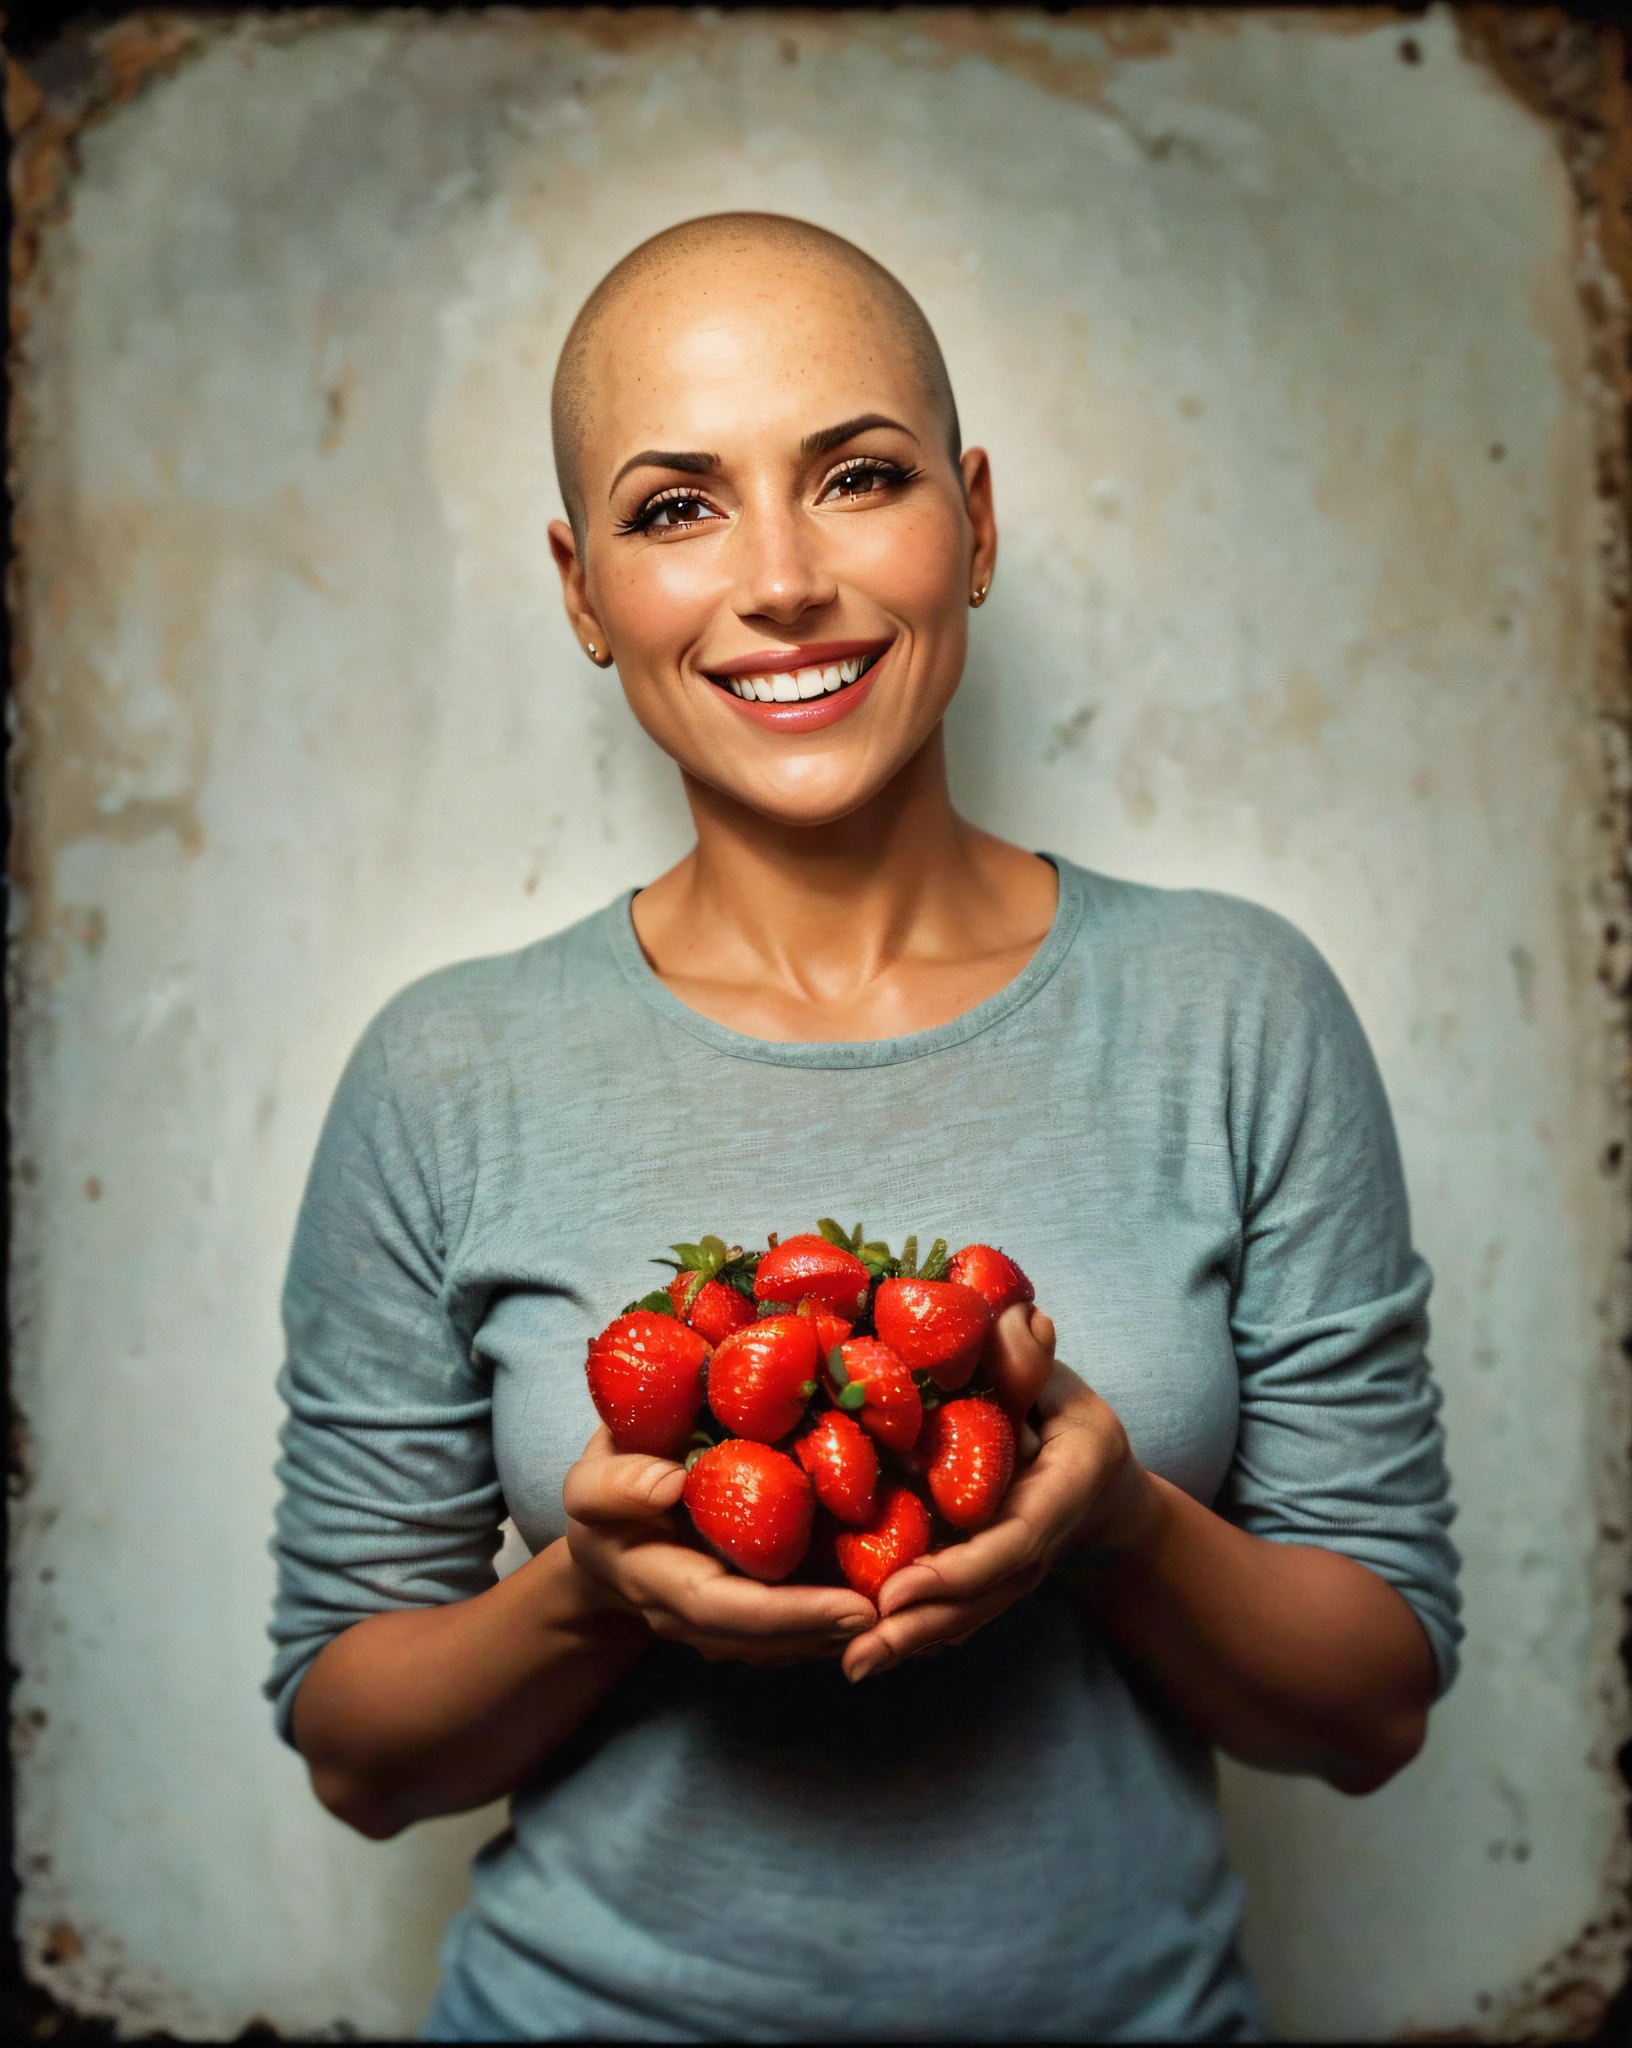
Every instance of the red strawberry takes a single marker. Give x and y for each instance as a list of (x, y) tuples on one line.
[(830, 1329), (935, 1326), (878, 1390), (760, 1378), (646, 1380), (897, 1534), (843, 1466), (810, 1265), (753, 1505), (992, 1274), (716, 1309), (967, 1455)]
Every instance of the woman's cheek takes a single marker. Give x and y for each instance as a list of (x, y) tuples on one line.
[(912, 568), (662, 605)]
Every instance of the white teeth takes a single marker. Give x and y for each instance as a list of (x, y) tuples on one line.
[(795, 686)]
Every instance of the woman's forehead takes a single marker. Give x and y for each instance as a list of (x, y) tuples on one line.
[(689, 360)]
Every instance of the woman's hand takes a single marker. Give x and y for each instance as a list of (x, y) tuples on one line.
[(622, 1535), (1078, 1482)]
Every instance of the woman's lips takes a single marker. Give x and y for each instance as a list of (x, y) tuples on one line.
[(788, 699)]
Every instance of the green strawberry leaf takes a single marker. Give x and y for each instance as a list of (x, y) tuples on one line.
[(714, 1252), (853, 1396), (694, 1287), (778, 1308), (656, 1303), (934, 1267), (834, 1233), (674, 1265), (743, 1282), (908, 1261), (856, 1237), (836, 1366), (689, 1255)]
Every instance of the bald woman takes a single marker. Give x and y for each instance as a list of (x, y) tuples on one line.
[(765, 1812)]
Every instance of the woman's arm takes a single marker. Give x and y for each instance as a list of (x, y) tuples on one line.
[(430, 1710), (433, 1710), (1288, 1657)]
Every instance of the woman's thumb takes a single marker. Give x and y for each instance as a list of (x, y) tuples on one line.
[(1021, 1357)]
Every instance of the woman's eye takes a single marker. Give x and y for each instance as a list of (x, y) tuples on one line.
[(672, 514), (680, 512), (863, 479)]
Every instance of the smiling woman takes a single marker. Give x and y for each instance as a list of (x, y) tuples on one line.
[(1228, 1530)]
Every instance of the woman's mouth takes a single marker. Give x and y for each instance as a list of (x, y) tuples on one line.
[(798, 685), (801, 689)]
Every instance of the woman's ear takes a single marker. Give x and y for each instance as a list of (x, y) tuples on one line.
[(977, 497), (575, 596)]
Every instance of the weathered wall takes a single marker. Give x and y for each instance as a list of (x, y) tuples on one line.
[(1275, 331)]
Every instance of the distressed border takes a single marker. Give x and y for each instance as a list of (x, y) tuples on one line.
[(1571, 67), (1571, 70)]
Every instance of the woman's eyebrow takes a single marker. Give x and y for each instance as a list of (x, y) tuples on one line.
[(834, 437), (691, 464)]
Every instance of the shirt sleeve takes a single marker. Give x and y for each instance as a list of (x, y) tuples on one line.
[(390, 1495), (1339, 1443)]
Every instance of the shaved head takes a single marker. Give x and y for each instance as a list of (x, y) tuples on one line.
[(727, 238)]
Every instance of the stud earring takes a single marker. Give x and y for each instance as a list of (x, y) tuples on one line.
[(978, 597), (592, 650)]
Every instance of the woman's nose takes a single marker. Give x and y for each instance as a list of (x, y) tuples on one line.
[(782, 570)]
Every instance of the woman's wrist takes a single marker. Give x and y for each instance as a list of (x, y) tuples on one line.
[(575, 1602), (1126, 1518)]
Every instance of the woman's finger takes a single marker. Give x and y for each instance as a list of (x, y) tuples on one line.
[(1020, 1354), (707, 1599), (607, 1485), (1042, 1509), (935, 1624)]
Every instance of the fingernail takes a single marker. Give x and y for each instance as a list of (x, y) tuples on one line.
[(864, 1669), (853, 1625)]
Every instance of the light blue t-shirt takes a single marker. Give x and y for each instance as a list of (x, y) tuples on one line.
[(1172, 1119)]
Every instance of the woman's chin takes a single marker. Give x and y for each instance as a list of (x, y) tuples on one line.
[(807, 797)]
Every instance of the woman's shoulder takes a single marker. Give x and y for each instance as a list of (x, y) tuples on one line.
[(458, 1018), (1225, 939)]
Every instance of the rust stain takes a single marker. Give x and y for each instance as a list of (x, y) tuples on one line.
[(79, 79), (1572, 75)]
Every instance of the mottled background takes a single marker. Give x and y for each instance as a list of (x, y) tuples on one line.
[(1286, 334)]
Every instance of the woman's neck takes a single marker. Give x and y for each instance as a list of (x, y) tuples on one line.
[(893, 919)]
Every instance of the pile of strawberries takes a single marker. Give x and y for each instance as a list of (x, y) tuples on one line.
[(809, 1389)]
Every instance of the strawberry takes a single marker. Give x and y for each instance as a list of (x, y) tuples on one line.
[(870, 1381), (967, 1455), (751, 1504), (992, 1274), (760, 1378), (843, 1466), (810, 1265), (715, 1310), (830, 1329), (897, 1534), (935, 1326), (646, 1380)]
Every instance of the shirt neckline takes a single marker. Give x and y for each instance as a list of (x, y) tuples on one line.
[(865, 1052)]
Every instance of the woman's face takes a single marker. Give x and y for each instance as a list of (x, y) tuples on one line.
[(779, 548)]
